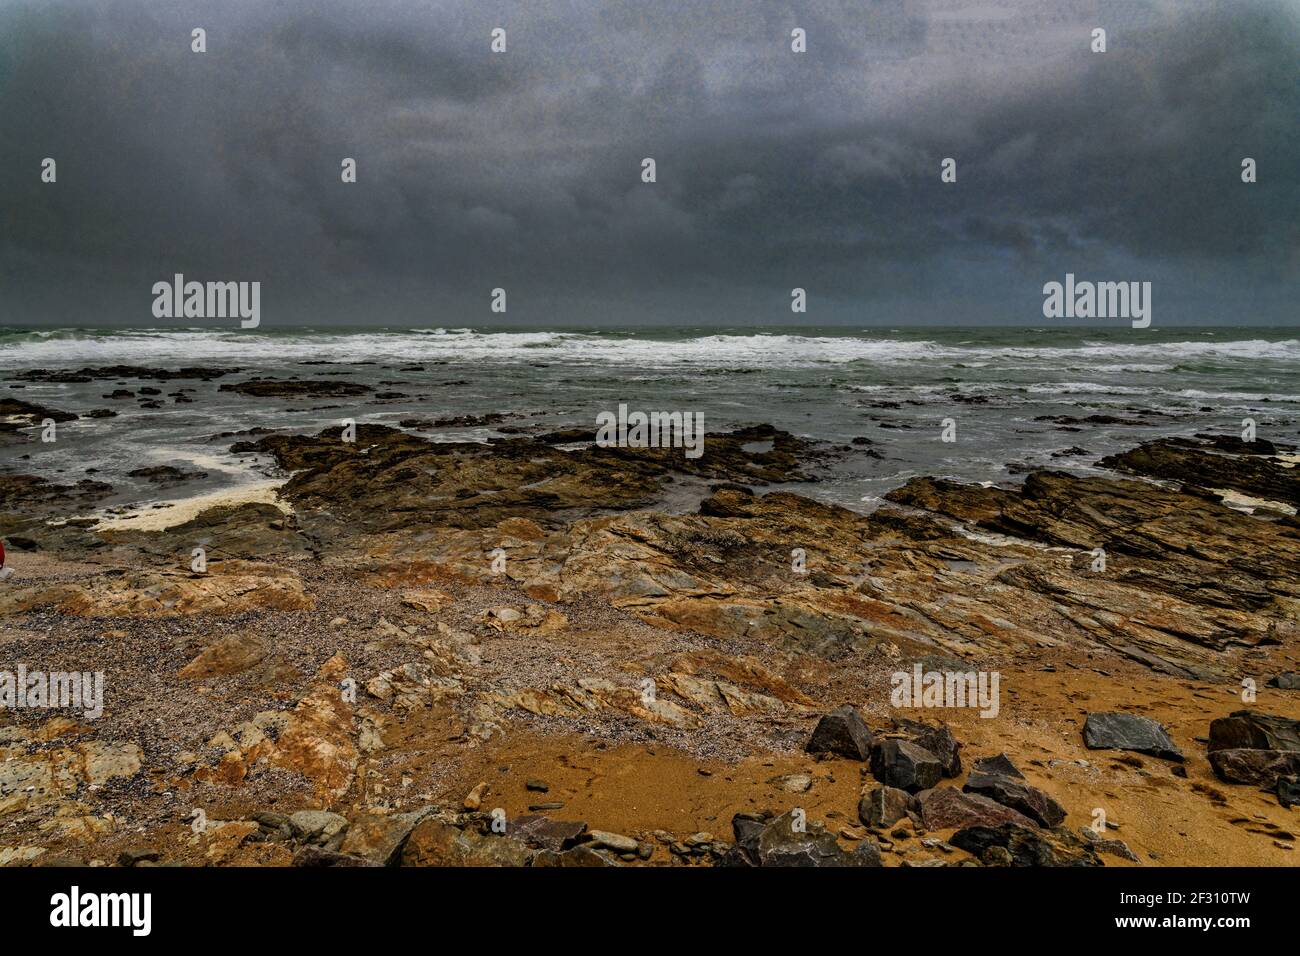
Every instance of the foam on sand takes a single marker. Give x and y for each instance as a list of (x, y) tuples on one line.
[(160, 515)]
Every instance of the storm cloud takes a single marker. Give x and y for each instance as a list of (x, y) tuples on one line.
[(775, 169)]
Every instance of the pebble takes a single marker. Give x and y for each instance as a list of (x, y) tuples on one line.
[(474, 799), (612, 841)]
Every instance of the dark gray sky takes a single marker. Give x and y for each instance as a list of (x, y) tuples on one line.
[(775, 169)]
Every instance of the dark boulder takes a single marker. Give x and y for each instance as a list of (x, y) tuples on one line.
[(885, 806), (1250, 730), (937, 739), (1015, 793), (270, 388), (944, 808), (1000, 764), (1129, 732), (1259, 767), (544, 833), (903, 764), (775, 841), (1288, 791), (842, 732), (1026, 846), (578, 856)]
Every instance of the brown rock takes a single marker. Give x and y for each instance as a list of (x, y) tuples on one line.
[(946, 807), (1251, 730), (229, 655), (1259, 767), (435, 843)]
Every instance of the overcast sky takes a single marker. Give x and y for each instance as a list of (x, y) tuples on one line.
[(522, 170)]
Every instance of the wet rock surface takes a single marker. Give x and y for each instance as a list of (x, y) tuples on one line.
[(413, 622), (292, 388)]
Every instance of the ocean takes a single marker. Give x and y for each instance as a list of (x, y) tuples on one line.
[(1014, 394)]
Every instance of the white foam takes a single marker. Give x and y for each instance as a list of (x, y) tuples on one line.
[(763, 350), (149, 516)]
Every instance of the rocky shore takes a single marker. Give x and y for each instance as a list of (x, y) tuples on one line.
[(535, 651)]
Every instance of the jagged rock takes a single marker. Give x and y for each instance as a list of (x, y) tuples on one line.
[(943, 808), (937, 739), (319, 827), (123, 371), (30, 779), (379, 839), (1288, 791), (1251, 730), (1191, 588), (775, 842), (534, 619), (885, 806), (317, 388), (34, 414), (222, 839), (315, 739), (28, 491), (1015, 793), (166, 474), (407, 479), (315, 856), (1027, 846), (1288, 680), (1188, 577), (318, 739), (595, 694), (1129, 732), (228, 588), (275, 825), (412, 686), (435, 843), (1103, 845), (1188, 462), (580, 856), (545, 833), (866, 853), (842, 732), (903, 764), (1259, 767), (232, 654), (1000, 764), (429, 601)]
